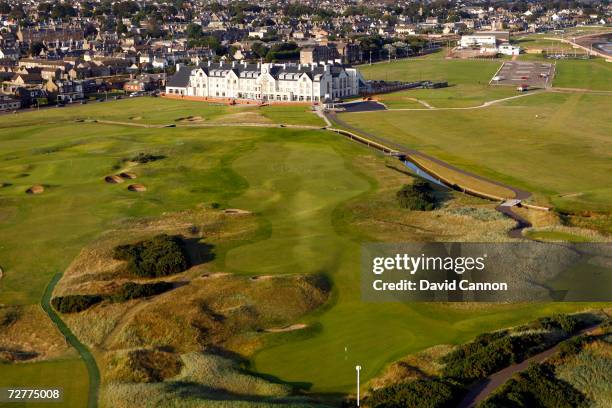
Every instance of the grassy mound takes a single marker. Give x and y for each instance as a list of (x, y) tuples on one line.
[(143, 365)]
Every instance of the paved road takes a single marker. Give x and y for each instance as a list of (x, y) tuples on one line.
[(487, 386), (362, 106)]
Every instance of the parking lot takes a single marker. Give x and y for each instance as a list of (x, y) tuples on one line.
[(532, 74)]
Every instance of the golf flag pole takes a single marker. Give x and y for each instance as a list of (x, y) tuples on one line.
[(358, 368)]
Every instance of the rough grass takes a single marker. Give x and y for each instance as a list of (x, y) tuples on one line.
[(561, 155), (26, 334), (205, 380)]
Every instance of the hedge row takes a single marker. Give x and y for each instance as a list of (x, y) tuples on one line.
[(75, 303), (131, 290), (128, 291)]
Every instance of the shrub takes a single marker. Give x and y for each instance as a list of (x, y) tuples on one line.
[(536, 387), (146, 158), (433, 393), (417, 196), (75, 303), (489, 353), (132, 290), (567, 323), (159, 256)]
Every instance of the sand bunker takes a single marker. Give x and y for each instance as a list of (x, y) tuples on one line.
[(215, 275), (1, 272), (236, 211), (113, 179), (298, 326), (137, 188), (36, 189), (262, 277), (127, 176)]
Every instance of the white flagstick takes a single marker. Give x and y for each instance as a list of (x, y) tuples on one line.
[(358, 368)]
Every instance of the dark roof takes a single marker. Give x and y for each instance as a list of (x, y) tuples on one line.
[(180, 79), (278, 71)]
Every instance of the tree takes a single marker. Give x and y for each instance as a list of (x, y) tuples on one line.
[(194, 30), (5, 8), (417, 196), (90, 31), (159, 256), (17, 13), (36, 48), (121, 28)]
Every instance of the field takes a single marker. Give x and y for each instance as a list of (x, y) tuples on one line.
[(468, 81), (592, 74), (554, 144), (315, 196)]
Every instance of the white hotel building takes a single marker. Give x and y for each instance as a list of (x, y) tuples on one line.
[(266, 82)]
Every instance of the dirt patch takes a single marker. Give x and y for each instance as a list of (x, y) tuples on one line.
[(35, 189), (138, 188), (262, 277), (1, 273), (235, 211), (248, 116), (293, 327), (113, 179), (127, 175), (190, 119)]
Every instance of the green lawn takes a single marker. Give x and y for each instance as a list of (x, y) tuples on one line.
[(71, 375), (556, 145), (468, 81), (593, 74), (296, 181), (161, 111)]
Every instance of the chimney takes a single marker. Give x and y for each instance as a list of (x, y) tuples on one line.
[(233, 64), (209, 63)]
